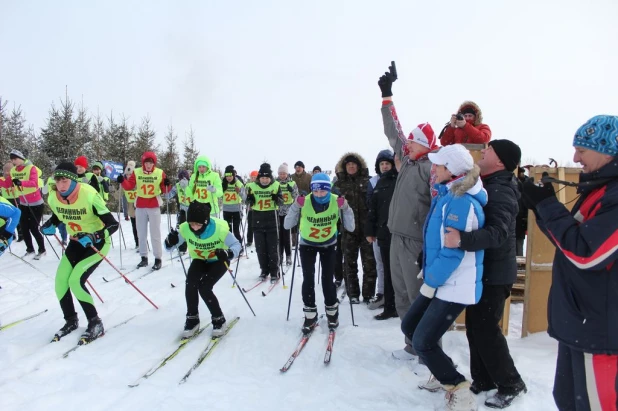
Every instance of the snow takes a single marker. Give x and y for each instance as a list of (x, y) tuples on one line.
[(243, 371)]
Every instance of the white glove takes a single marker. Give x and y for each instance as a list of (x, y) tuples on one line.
[(85, 180), (183, 183), (44, 189), (99, 179), (212, 189), (420, 275), (428, 291)]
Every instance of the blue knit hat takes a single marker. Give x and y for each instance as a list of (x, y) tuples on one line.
[(320, 181), (600, 134)]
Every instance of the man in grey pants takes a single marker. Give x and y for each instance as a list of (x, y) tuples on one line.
[(409, 205)]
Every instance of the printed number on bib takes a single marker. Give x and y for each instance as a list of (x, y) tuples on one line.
[(74, 227), (200, 254), (320, 232), (132, 195), (230, 197), (201, 193), (286, 197), (262, 204), (148, 189), (184, 199)]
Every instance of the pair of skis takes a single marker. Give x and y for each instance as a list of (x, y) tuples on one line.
[(204, 354), (83, 341), (303, 341)]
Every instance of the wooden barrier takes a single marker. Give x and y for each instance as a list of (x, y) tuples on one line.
[(540, 254)]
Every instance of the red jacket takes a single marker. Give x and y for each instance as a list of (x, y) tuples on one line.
[(130, 183), (471, 133)]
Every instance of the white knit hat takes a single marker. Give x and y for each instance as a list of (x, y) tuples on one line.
[(456, 158), (283, 168)]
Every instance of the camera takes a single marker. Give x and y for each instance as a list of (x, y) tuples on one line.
[(459, 116)]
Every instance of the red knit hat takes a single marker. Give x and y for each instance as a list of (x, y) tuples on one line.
[(81, 161), (423, 134)]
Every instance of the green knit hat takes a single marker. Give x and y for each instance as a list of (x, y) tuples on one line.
[(67, 170)]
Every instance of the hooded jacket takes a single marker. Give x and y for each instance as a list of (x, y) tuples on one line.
[(454, 273), (379, 204), (582, 309), (497, 237), (202, 181), (383, 155), (130, 183), (412, 196), (472, 133), (33, 180), (354, 189)]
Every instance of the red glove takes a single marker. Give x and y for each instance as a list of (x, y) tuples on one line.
[(340, 201), (300, 200)]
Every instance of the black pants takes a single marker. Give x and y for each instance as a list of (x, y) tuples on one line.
[(584, 381), (29, 220), (233, 220), (491, 364), (249, 238), (284, 239), (352, 245), (308, 256), (389, 292), (201, 278), (266, 248), (134, 227)]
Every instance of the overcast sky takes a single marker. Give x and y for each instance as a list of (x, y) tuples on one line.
[(291, 80)]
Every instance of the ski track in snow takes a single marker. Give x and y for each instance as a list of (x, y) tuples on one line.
[(243, 371)]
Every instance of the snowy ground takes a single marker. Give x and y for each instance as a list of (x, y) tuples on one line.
[(243, 372)]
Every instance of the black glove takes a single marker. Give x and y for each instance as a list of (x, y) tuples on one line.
[(290, 188), (172, 239), (386, 84), (250, 199), (5, 235), (533, 194), (275, 197), (17, 182), (120, 179), (420, 259), (224, 255), (166, 182)]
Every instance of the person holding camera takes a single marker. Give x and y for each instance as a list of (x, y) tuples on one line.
[(466, 127), (582, 309)]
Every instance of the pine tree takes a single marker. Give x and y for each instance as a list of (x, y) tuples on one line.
[(144, 140), (190, 151), (98, 148), (58, 139), (14, 133), (169, 160), (117, 140), (83, 134)]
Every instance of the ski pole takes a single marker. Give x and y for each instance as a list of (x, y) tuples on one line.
[(37, 221), (239, 287), (279, 249), (87, 281), (347, 276), (319, 268), (182, 262), (28, 263), (123, 276), (292, 283)]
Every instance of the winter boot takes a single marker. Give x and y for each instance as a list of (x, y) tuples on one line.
[(71, 325), (311, 319), (157, 264), (354, 300), (386, 314), (460, 398), (477, 388), (432, 385), (192, 325), (376, 302), (94, 331), (143, 263), (505, 398), (332, 315), (219, 326), (288, 260)]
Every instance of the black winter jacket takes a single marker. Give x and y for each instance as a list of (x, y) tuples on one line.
[(354, 189), (380, 201), (497, 237)]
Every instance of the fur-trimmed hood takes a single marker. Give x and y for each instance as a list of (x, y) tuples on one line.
[(470, 183), (479, 114), (340, 167)]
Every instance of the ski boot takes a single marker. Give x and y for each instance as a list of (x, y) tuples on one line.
[(94, 331), (143, 263), (39, 255), (219, 326), (192, 325), (157, 264), (274, 279), (263, 276), (288, 260), (71, 325), (332, 315), (311, 319)]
